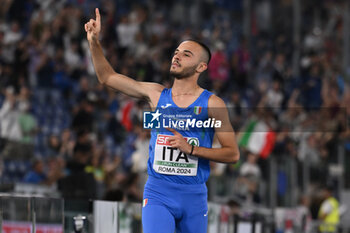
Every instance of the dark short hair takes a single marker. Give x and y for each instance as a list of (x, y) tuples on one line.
[(328, 187), (204, 46)]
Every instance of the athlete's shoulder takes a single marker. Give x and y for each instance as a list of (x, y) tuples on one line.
[(153, 86), (206, 92), (216, 101), (154, 90)]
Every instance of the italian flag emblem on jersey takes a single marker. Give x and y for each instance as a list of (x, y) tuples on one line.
[(197, 110)]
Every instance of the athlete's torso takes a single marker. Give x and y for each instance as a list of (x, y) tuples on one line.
[(168, 163)]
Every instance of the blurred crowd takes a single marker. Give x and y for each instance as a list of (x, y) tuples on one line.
[(72, 132)]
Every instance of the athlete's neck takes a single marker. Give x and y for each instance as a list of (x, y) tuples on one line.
[(185, 87)]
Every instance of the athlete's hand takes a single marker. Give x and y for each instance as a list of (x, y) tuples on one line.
[(93, 27), (178, 141)]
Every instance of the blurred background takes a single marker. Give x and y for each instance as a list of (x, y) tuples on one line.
[(282, 68)]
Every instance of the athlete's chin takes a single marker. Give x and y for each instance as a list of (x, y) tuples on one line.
[(180, 77), (177, 75)]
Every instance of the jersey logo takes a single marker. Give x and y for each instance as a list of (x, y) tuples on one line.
[(165, 106), (193, 141), (197, 110), (206, 214)]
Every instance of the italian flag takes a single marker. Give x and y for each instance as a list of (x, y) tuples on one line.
[(126, 115), (197, 110), (258, 138)]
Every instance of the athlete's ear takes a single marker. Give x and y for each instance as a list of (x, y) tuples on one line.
[(202, 67)]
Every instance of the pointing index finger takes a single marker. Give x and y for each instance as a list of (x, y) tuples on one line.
[(98, 17), (173, 131)]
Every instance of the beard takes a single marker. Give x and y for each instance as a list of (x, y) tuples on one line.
[(185, 73)]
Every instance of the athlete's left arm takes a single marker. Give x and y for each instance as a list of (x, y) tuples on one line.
[(228, 153)]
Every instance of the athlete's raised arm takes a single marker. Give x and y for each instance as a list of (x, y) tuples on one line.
[(107, 76), (228, 153)]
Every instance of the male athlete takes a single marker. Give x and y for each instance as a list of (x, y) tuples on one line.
[(175, 195)]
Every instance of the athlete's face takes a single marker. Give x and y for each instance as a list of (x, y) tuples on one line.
[(186, 60)]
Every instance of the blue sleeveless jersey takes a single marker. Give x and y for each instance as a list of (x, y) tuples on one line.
[(168, 163)]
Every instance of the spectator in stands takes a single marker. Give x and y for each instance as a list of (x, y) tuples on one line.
[(78, 183), (84, 89), (10, 128), (113, 179), (24, 96), (274, 97), (83, 119), (54, 145), (250, 168), (329, 212), (309, 153), (56, 167), (126, 31), (81, 157), (139, 158), (20, 64), (234, 206), (311, 90), (292, 118), (303, 218), (9, 124), (44, 69), (279, 66), (240, 64), (129, 148), (247, 183), (219, 67), (237, 108), (265, 68), (28, 126), (37, 174), (12, 36), (132, 188), (66, 144)]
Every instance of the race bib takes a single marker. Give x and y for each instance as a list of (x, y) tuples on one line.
[(171, 161)]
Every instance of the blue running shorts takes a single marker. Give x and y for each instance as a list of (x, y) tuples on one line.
[(170, 206)]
